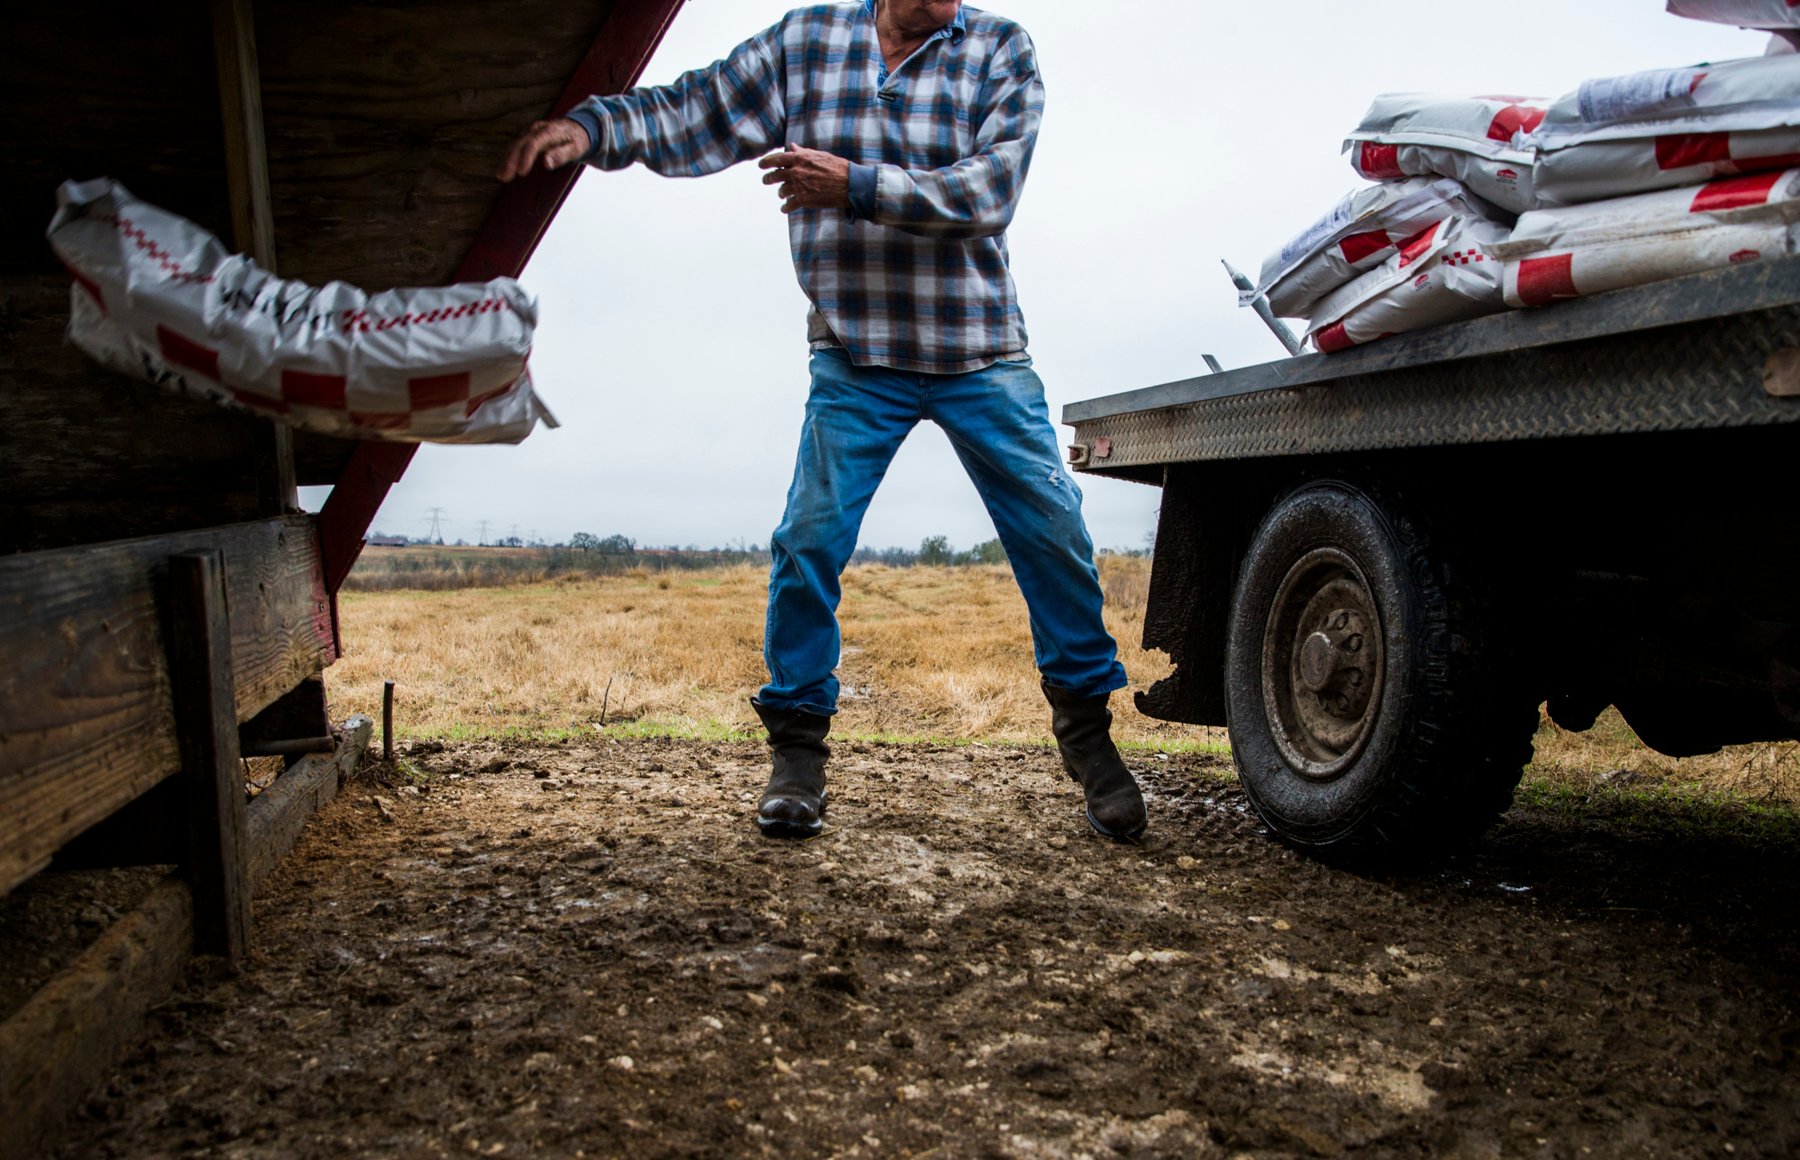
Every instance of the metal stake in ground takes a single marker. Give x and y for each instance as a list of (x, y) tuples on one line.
[(387, 722)]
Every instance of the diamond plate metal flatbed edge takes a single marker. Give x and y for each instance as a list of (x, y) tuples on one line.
[(1681, 355)]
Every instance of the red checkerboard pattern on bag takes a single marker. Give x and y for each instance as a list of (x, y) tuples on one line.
[(1363, 230), (446, 364), (1445, 273)]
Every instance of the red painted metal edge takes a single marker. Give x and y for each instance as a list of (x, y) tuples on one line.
[(511, 232)]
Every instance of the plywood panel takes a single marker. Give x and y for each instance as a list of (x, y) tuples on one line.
[(96, 89), (385, 122), (87, 455)]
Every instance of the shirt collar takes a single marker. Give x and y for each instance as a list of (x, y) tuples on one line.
[(954, 30)]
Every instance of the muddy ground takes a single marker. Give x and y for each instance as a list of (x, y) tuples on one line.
[(587, 950)]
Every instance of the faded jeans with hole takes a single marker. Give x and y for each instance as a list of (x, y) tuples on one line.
[(999, 424)]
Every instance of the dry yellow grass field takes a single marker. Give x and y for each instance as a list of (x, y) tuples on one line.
[(928, 652)]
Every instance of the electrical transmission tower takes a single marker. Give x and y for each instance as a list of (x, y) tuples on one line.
[(484, 525), (437, 533)]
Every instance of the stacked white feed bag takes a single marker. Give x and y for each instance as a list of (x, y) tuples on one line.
[(1616, 136), (1628, 241), (1483, 142), (158, 298), (1447, 273), (1743, 13), (1361, 232)]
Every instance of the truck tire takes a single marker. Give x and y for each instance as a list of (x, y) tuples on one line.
[(1368, 696)]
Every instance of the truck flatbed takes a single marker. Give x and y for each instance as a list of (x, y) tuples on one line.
[(1713, 350), (1383, 569)]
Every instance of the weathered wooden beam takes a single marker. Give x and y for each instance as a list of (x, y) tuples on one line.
[(252, 215), (206, 735), (56, 1047), (69, 1035), (280, 812), (86, 712), (240, 109), (506, 241)]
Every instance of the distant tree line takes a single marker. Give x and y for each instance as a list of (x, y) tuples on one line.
[(430, 565)]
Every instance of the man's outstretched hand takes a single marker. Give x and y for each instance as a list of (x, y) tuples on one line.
[(809, 178), (555, 143)]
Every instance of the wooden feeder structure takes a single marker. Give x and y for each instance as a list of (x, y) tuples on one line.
[(166, 607)]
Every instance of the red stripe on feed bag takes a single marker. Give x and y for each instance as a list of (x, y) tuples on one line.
[(1735, 193), (1680, 150), (185, 352), (1333, 339), (438, 390), (1356, 247), (88, 284), (1379, 162), (1544, 280), (1414, 247), (476, 402), (1514, 119), (310, 390), (382, 420)]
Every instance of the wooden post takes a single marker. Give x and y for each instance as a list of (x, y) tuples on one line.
[(387, 722), (206, 729), (252, 214)]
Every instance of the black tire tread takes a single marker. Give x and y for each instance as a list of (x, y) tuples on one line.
[(1469, 735)]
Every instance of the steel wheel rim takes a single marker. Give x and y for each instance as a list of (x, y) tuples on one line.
[(1323, 664)]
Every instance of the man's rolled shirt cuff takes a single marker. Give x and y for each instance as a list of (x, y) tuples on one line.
[(590, 121), (862, 192)]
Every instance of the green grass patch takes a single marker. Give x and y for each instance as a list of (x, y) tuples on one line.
[(686, 729), (1675, 812)]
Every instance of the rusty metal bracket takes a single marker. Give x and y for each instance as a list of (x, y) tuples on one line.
[(290, 747)]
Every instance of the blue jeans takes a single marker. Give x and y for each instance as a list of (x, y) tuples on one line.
[(856, 418)]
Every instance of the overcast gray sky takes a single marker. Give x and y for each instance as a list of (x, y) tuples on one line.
[(672, 336)]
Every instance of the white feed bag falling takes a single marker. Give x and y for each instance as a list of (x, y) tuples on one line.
[(159, 298), (1446, 274), (1361, 232), (1616, 136), (1482, 142), (1743, 13), (1585, 249)]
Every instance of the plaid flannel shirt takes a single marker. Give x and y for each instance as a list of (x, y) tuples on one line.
[(914, 275)]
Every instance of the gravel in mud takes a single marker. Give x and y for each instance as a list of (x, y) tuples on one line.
[(587, 950)]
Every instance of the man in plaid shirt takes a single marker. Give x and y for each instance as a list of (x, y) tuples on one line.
[(898, 134)]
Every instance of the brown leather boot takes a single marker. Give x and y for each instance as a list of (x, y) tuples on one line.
[(793, 803), (1082, 725)]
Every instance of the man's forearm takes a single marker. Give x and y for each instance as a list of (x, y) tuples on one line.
[(707, 120)]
